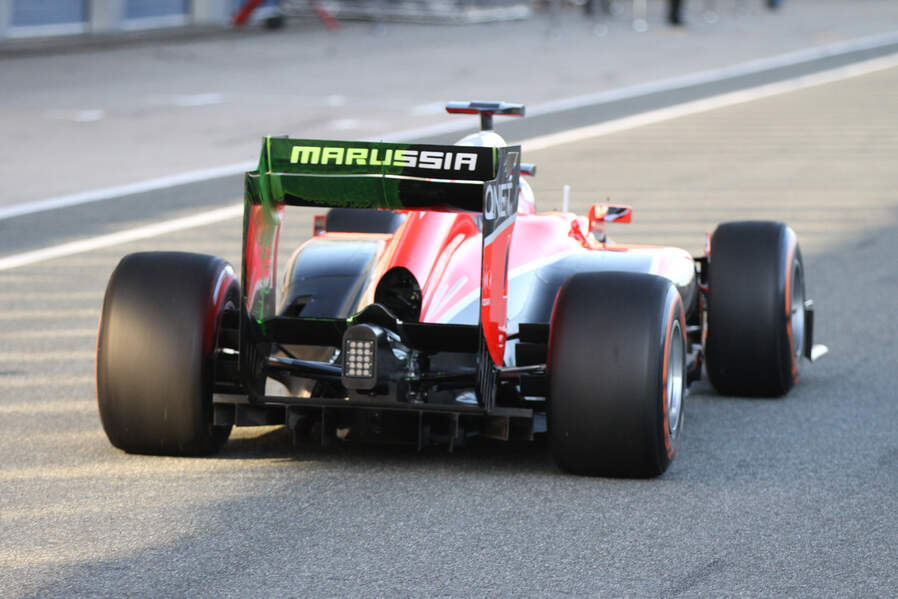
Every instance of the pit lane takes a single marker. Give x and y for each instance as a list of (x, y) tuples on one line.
[(794, 497)]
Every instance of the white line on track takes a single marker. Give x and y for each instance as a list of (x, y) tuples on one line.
[(707, 76), (711, 103), (537, 143), (719, 74), (103, 241), (702, 77), (125, 190)]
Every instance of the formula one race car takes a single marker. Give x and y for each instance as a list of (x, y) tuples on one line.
[(434, 304)]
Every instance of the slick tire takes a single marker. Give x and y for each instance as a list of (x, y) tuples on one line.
[(157, 336), (617, 374), (756, 309)]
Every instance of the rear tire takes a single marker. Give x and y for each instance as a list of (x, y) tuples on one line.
[(157, 336), (617, 374), (755, 309)]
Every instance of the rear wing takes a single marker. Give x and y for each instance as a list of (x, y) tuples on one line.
[(357, 174), (351, 174)]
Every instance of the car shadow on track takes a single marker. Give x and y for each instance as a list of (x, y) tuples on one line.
[(478, 454)]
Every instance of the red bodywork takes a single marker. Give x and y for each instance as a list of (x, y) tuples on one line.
[(443, 251)]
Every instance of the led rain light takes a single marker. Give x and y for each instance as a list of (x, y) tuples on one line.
[(360, 356)]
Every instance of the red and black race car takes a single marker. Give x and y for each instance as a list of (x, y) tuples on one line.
[(454, 309)]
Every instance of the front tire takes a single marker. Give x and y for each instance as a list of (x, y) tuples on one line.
[(617, 383), (756, 309), (157, 335)]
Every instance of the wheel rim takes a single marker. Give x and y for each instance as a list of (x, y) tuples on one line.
[(797, 309), (676, 367)]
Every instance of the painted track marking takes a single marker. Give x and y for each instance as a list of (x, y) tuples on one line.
[(103, 241), (702, 77), (711, 103)]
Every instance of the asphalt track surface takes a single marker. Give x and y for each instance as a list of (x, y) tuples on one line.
[(795, 497)]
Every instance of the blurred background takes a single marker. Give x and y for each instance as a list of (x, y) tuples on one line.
[(117, 91)]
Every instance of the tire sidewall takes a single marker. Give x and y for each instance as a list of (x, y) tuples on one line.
[(670, 441), (749, 345), (610, 338), (155, 349)]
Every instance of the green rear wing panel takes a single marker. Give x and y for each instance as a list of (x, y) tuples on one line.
[(351, 174)]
